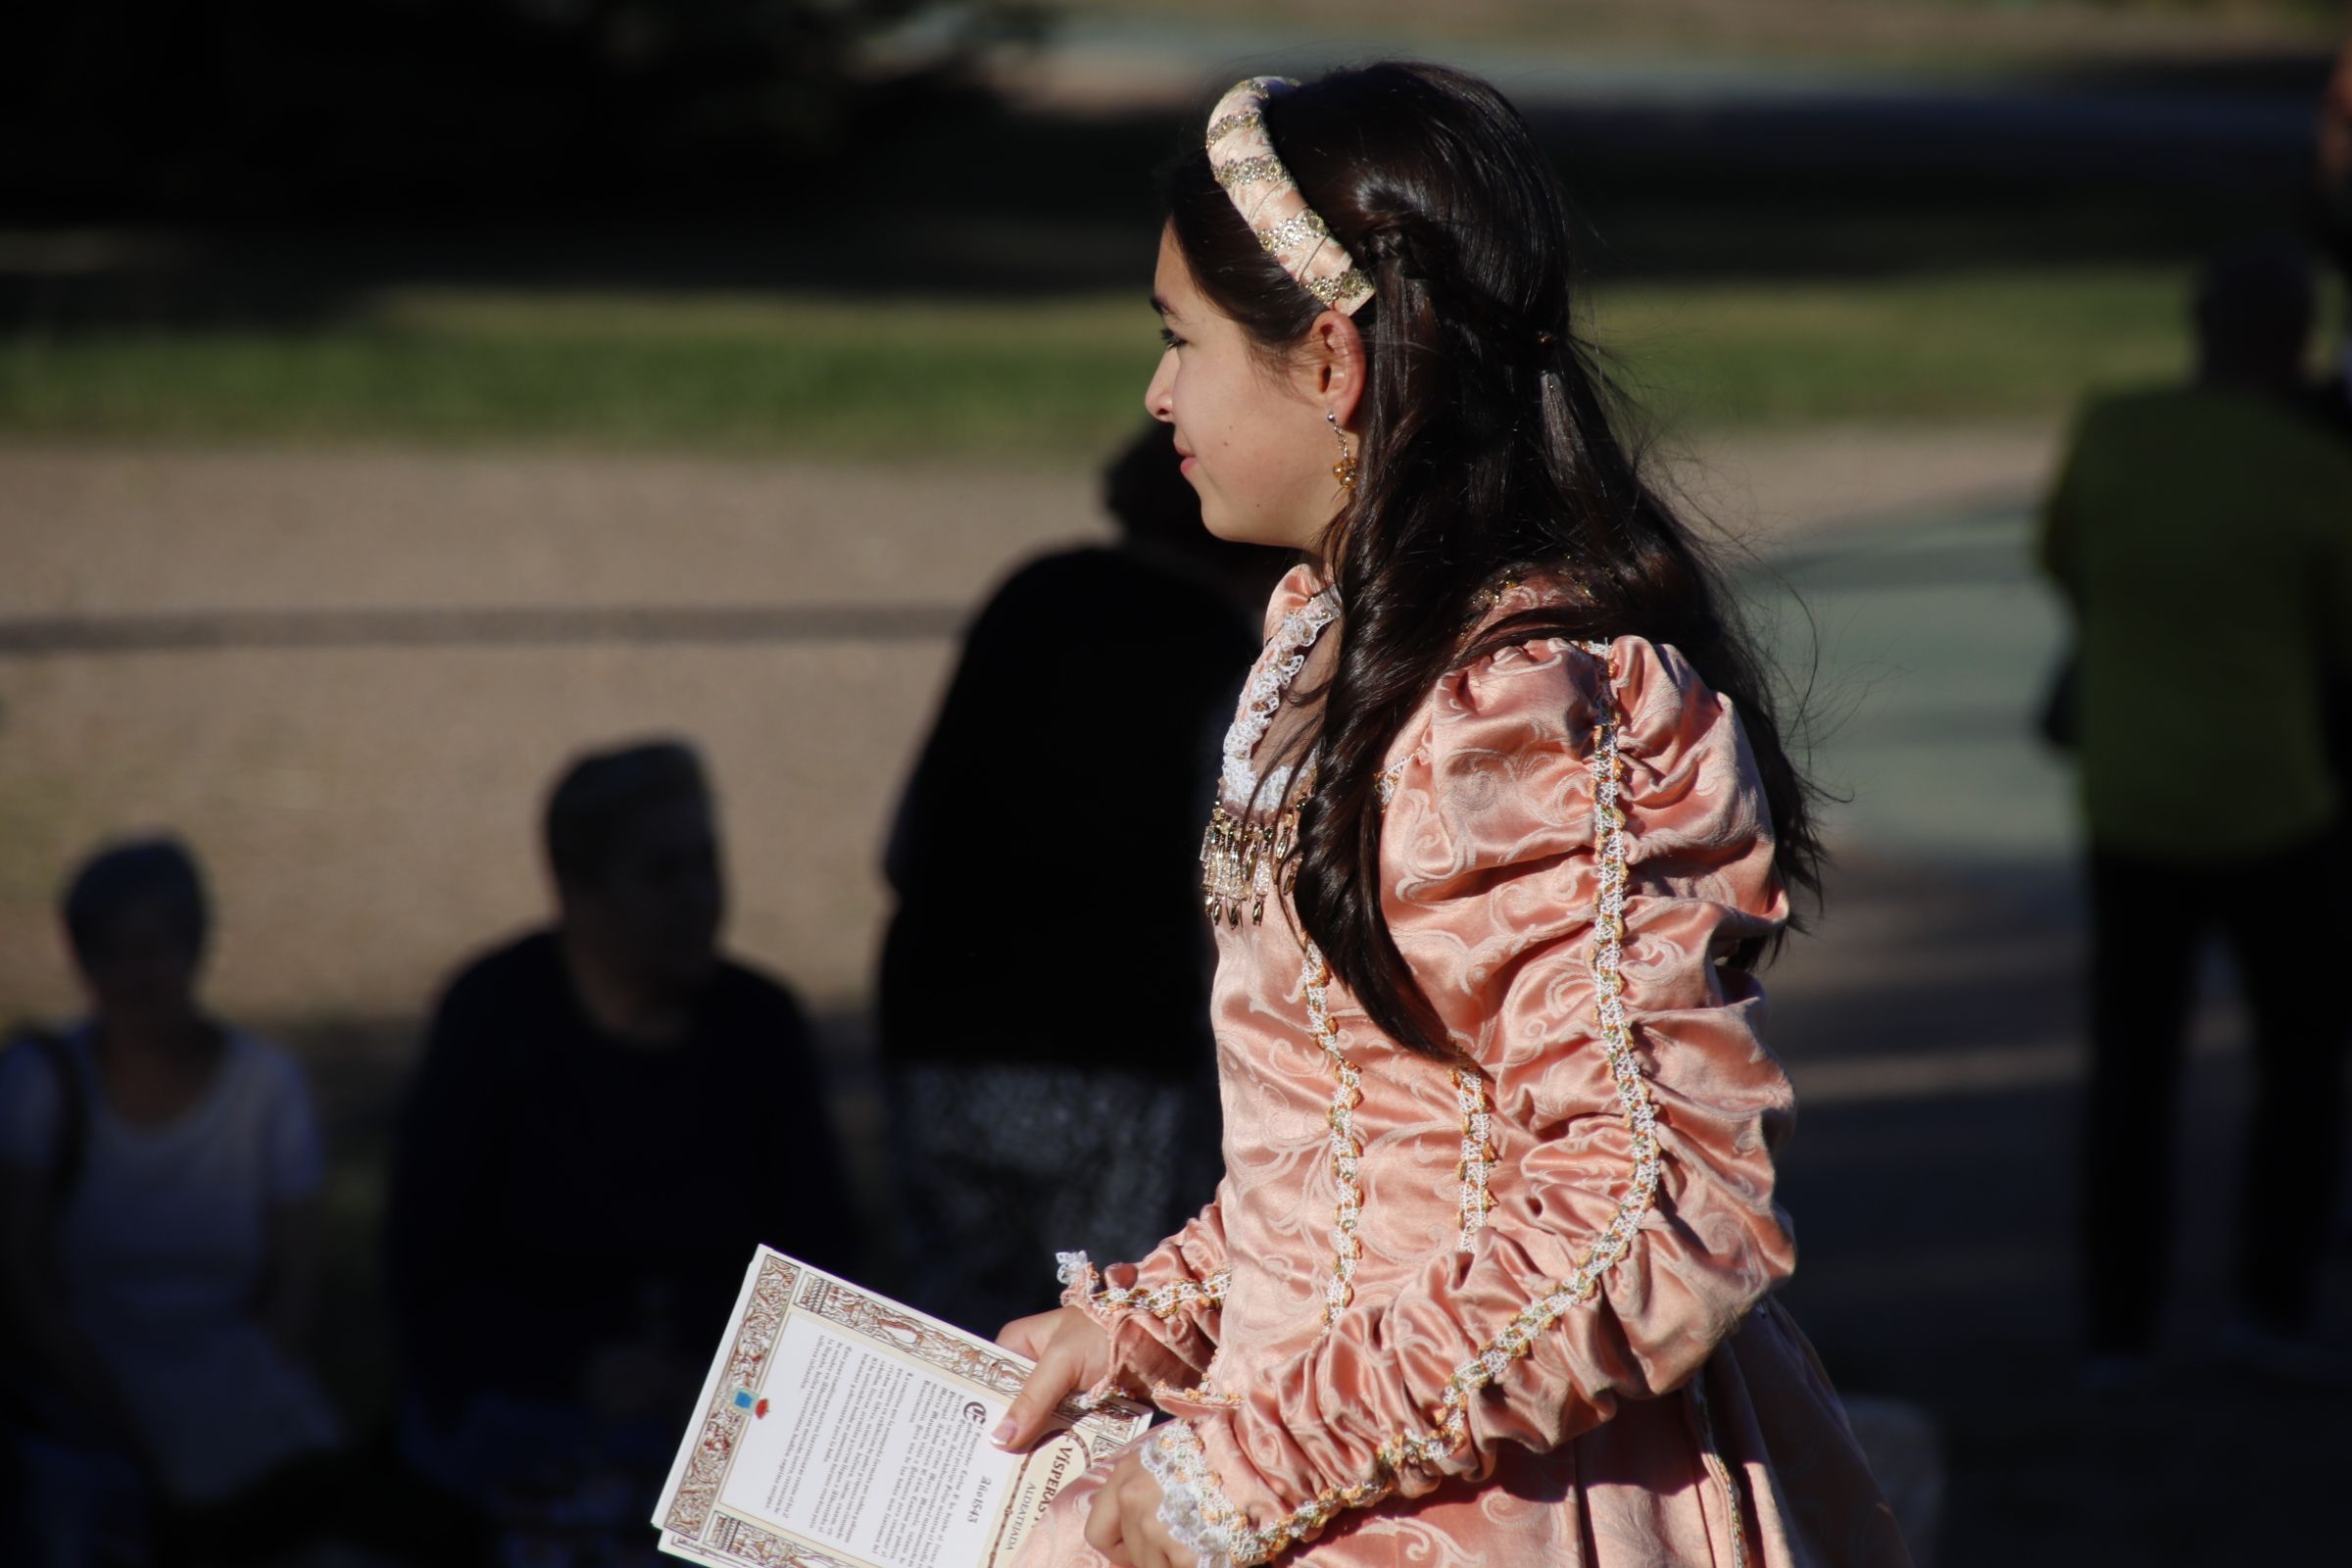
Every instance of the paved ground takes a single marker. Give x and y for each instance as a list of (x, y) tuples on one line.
[(347, 677)]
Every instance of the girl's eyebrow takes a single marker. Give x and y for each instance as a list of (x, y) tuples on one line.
[(1165, 308)]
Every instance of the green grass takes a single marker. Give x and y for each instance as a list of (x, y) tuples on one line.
[(859, 379), (2007, 346), (1030, 381)]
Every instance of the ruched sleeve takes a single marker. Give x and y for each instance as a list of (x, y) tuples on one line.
[(1161, 1314), (1570, 851)]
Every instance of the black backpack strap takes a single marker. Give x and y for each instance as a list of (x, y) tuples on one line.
[(73, 1115)]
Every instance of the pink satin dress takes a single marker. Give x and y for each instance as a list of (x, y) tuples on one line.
[(1513, 1309)]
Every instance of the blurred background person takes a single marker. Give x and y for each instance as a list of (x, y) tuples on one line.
[(2333, 196), (158, 1172), (1010, 1134), (2202, 537), (609, 1116)]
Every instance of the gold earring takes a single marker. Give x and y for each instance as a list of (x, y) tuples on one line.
[(1343, 470)]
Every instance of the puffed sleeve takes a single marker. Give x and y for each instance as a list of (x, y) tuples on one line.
[(1577, 843), (1161, 1314)]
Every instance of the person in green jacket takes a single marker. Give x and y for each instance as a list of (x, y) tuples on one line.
[(2202, 536)]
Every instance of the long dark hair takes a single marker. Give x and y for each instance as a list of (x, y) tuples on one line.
[(1490, 447)]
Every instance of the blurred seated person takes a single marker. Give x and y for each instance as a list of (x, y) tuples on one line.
[(158, 1172), (609, 1116), (1014, 1130)]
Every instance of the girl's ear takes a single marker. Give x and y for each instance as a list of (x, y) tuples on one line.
[(1335, 365)]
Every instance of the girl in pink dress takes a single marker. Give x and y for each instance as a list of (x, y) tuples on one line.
[(1504, 826)]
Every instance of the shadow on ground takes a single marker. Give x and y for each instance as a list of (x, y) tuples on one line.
[(1937, 1225)]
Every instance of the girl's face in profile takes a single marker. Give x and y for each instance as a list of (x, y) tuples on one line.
[(1253, 440)]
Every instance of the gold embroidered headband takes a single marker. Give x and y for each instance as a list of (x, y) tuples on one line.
[(1242, 156)]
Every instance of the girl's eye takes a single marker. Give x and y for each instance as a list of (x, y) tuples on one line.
[(1169, 340)]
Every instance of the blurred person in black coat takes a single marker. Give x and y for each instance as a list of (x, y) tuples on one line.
[(1053, 1099), (609, 1117)]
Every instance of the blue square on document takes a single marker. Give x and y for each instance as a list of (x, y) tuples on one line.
[(743, 1399)]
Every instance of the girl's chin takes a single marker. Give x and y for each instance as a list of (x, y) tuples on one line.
[(1247, 530)]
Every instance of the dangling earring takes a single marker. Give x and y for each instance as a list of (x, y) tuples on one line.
[(1343, 470)]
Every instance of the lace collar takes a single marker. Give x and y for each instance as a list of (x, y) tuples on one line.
[(1283, 657)]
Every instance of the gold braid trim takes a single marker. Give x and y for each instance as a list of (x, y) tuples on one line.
[(1477, 1165), (1346, 1150), (1712, 1457)]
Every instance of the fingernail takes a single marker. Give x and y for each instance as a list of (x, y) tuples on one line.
[(1003, 1433)]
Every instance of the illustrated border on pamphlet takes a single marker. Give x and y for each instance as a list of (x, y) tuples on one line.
[(775, 1288)]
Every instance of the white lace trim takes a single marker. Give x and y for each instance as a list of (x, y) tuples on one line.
[(1184, 1482), (1284, 658), (1199, 1515), (1204, 1520), (1088, 1292)]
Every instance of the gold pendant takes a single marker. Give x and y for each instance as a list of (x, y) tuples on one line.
[(1241, 861)]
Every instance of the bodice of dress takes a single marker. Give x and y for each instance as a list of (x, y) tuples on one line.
[(1492, 773)]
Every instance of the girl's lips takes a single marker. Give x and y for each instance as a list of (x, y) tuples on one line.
[(1186, 466)]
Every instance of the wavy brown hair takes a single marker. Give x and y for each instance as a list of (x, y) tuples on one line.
[(1491, 445)]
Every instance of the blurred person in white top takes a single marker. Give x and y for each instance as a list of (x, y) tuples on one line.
[(157, 1175)]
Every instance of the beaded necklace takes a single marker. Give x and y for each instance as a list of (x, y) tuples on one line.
[(1242, 855)]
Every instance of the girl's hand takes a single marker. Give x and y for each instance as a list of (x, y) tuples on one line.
[(1072, 1352), (1125, 1526)]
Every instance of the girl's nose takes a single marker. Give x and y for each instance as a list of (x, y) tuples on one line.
[(1159, 395)]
